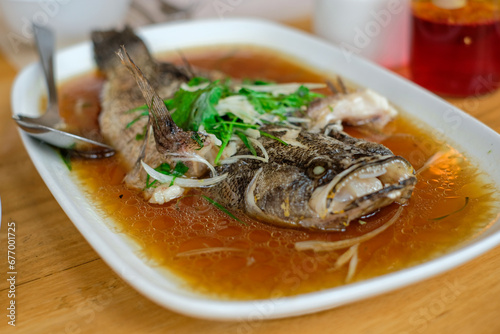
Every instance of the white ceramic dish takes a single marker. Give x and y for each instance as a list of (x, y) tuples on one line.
[(472, 137)]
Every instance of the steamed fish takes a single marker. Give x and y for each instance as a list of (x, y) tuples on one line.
[(316, 181), (278, 173)]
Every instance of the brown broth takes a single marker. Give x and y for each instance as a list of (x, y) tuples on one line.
[(260, 260)]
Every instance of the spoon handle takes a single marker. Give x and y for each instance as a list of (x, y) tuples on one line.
[(45, 42)]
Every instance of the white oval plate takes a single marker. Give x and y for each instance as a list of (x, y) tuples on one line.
[(473, 138)]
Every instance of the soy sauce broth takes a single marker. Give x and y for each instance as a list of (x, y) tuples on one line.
[(258, 260)]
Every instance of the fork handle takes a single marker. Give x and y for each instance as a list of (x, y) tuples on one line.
[(45, 42)]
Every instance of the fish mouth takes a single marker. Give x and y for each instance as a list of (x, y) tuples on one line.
[(362, 188)]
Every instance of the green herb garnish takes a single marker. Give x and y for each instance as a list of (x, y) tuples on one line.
[(265, 134), (141, 115), (192, 110), (281, 105), (66, 158), (196, 81), (223, 209), (142, 135), (179, 170), (197, 139)]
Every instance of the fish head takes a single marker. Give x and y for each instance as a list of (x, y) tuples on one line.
[(323, 183)]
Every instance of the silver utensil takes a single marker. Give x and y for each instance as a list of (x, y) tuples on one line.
[(48, 127)]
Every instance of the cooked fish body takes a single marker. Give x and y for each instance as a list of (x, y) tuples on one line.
[(315, 181), (357, 108), (121, 93)]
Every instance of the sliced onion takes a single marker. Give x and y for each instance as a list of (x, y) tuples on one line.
[(337, 126), (346, 256), (298, 120), (187, 88), (351, 256), (198, 158), (261, 147), (436, 157), (239, 106), (353, 264), (234, 158), (325, 246), (252, 133), (180, 181), (208, 251)]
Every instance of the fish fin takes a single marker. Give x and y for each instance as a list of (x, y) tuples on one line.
[(187, 65), (167, 134)]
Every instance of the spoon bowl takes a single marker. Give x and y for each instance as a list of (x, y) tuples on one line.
[(48, 127)]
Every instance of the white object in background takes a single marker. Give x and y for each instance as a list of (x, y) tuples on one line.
[(277, 10), (375, 29), (72, 20)]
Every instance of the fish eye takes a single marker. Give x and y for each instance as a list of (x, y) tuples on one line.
[(318, 170)]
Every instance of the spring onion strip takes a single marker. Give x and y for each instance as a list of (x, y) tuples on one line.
[(325, 246), (180, 181)]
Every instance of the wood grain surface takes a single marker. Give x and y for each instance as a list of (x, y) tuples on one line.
[(63, 286)]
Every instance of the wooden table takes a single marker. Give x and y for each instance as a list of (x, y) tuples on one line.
[(63, 286)]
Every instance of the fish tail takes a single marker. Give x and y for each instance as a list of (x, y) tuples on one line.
[(106, 43)]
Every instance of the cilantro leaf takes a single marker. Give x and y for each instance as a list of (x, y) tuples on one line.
[(196, 81), (193, 109)]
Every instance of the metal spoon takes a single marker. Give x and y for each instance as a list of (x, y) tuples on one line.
[(47, 127)]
